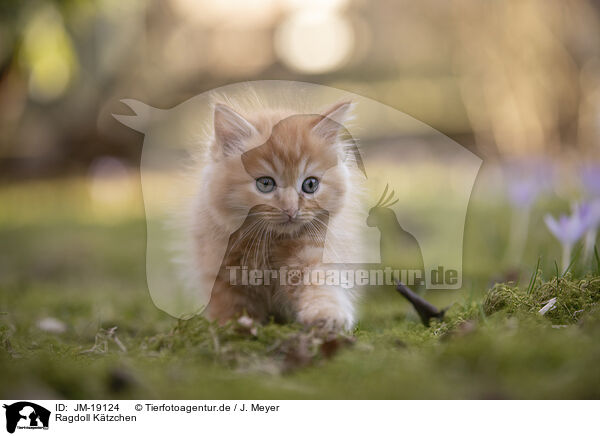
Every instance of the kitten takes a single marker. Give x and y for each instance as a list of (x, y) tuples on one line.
[(273, 188)]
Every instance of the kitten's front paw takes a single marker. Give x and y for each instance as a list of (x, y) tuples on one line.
[(326, 318)]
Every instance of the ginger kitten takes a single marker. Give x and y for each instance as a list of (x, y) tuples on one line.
[(274, 188)]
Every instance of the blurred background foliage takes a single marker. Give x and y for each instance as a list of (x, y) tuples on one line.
[(517, 82), (506, 79)]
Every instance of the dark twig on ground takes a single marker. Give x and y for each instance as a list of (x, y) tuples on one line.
[(424, 308)]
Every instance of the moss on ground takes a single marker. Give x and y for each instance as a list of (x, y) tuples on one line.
[(575, 298), (90, 276)]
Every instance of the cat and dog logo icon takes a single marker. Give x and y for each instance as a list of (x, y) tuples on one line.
[(26, 415)]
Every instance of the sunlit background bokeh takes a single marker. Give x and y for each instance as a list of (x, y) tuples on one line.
[(504, 78), (515, 82)]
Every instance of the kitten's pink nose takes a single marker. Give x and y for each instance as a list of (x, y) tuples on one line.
[(291, 212)]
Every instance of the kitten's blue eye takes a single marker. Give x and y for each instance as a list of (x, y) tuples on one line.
[(310, 185), (265, 184)]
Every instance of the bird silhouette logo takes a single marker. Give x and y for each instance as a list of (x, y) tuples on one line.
[(399, 249)]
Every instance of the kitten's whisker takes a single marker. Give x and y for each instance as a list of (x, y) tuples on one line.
[(252, 238), (250, 245), (312, 230), (314, 233), (245, 233), (322, 238), (259, 245), (265, 245), (256, 243), (269, 247), (263, 250), (247, 230), (328, 231)]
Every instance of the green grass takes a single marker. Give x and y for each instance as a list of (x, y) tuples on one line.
[(60, 260)]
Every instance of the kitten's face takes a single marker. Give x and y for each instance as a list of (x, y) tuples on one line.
[(296, 176), (292, 182)]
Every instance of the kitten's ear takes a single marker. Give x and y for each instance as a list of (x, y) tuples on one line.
[(231, 130), (333, 119)]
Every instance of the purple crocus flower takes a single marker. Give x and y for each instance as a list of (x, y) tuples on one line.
[(526, 180), (589, 214), (523, 193), (569, 229), (590, 178)]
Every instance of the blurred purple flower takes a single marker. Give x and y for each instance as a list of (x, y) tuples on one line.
[(523, 193), (589, 214), (584, 218), (590, 217), (590, 178), (527, 179), (567, 229)]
